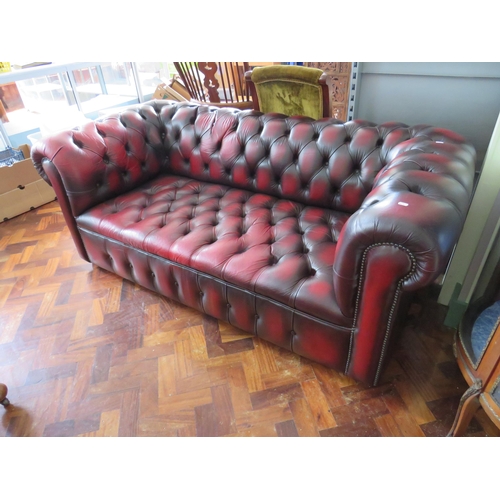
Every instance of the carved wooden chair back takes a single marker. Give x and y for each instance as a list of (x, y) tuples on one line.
[(217, 83)]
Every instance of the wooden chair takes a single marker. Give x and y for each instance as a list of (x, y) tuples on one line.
[(290, 90), (219, 84)]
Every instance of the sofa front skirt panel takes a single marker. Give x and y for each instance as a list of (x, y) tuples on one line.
[(317, 340)]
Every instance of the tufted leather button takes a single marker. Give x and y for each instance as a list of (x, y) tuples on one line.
[(163, 135), (175, 283), (152, 275)]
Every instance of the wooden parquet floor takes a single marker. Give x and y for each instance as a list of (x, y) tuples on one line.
[(85, 353)]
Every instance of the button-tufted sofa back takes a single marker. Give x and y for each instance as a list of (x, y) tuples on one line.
[(326, 163)]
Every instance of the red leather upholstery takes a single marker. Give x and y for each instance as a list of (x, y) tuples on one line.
[(273, 247), (306, 233)]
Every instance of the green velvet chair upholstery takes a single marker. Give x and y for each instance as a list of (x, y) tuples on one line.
[(290, 90)]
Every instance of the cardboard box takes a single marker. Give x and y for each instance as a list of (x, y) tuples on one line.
[(21, 188)]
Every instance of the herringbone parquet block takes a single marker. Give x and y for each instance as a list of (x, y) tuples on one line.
[(85, 353)]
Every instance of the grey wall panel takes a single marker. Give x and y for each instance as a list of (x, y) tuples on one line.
[(468, 104), (456, 69)]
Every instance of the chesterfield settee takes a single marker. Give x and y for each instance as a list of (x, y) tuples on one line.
[(308, 234)]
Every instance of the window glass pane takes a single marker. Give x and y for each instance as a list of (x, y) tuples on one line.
[(152, 74), (109, 85), (36, 103)]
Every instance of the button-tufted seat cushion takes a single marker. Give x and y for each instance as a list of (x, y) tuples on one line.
[(273, 247), (306, 233)]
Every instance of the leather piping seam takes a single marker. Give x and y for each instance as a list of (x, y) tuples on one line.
[(388, 330), (396, 296), (222, 282)]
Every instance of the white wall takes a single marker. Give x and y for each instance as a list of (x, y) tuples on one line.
[(464, 97)]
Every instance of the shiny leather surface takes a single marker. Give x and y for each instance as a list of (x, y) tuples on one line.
[(274, 247), (306, 233), (284, 326)]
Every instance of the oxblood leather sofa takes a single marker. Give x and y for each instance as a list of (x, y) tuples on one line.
[(305, 233)]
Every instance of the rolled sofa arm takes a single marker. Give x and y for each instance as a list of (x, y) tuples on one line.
[(103, 158), (400, 239)]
